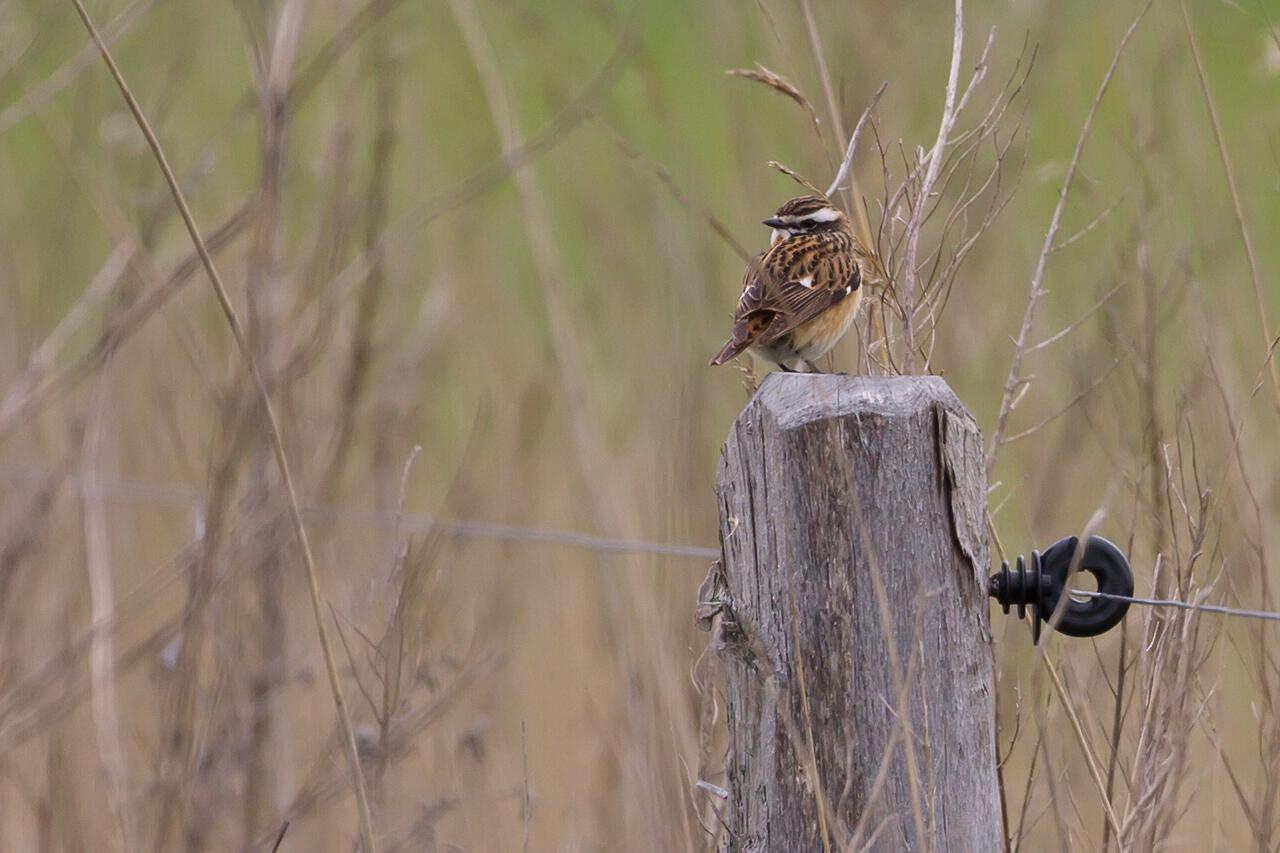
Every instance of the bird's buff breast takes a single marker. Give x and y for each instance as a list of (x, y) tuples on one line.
[(815, 338)]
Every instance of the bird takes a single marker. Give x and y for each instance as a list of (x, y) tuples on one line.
[(800, 295)]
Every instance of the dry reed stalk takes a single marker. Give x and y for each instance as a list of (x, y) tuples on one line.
[(1237, 208), (333, 50), (25, 537), (48, 696), (49, 686), (371, 294), (265, 294), (102, 601), (1118, 710), (1172, 714), (282, 462)]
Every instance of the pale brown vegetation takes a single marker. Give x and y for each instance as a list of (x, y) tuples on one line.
[(510, 236)]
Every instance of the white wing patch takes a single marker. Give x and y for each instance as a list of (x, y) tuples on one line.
[(807, 282)]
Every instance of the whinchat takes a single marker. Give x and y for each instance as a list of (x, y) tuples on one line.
[(800, 296)]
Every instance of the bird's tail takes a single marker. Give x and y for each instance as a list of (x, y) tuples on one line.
[(730, 350)]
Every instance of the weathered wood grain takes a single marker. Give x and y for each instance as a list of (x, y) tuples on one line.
[(826, 484)]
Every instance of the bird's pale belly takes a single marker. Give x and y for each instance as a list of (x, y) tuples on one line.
[(815, 338)]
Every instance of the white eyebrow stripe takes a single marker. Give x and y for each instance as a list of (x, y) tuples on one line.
[(826, 214)]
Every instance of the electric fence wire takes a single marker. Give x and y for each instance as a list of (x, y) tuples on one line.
[(1183, 605), (146, 492)]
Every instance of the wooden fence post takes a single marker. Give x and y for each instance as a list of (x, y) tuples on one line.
[(851, 613)]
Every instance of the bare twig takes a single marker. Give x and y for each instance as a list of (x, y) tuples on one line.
[(1071, 404), (909, 284), (1014, 379), (1079, 321), (847, 162), (1093, 223), (795, 176)]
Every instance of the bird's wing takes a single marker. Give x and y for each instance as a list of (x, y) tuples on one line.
[(756, 286), (811, 278), (751, 317), (789, 285)]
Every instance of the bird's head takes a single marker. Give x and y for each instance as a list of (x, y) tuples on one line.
[(805, 215)]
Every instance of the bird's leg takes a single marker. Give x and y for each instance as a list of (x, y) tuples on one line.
[(786, 369)]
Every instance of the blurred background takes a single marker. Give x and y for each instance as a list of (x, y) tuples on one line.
[(483, 251)]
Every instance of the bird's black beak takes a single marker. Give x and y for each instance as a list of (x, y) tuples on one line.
[(773, 222)]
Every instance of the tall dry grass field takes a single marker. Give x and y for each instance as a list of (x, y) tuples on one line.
[(481, 252)]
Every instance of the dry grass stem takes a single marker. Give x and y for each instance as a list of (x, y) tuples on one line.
[(277, 441)]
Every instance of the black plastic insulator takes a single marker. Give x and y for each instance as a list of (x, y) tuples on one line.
[(1039, 587)]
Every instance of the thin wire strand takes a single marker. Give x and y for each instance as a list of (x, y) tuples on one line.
[(142, 491), (1182, 605), (147, 492)]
